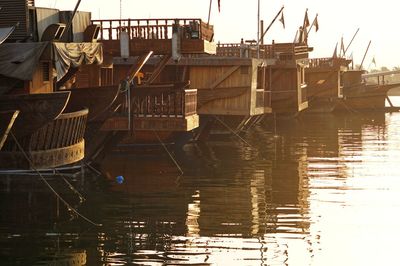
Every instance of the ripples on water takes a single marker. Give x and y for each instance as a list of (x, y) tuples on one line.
[(318, 190)]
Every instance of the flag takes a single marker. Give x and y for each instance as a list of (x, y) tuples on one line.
[(342, 49), (306, 22), (219, 5), (335, 51), (282, 20), (373, 61), (316, 23)]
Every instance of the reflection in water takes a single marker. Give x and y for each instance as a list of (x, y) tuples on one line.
[(316, 190)]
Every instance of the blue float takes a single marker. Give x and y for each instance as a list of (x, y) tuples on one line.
[(120, 179)]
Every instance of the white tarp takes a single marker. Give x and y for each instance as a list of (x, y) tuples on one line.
[(68, 55)]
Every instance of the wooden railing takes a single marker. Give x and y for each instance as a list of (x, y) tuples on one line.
[(66, 130), (328, 62), (282, 51), (154, 28), (162, 101)]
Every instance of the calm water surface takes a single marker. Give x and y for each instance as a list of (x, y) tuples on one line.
[(317, 190)]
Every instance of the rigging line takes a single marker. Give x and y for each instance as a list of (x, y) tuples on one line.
[(49, 186), (81, 197), (170, 155), (230, 129)]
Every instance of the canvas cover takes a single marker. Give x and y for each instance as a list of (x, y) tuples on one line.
[(68, 55), (19, 60)]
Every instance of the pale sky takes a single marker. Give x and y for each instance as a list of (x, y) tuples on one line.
[(238, 19)]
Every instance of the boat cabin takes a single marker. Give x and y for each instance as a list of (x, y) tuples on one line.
[(285, 73), (41, 55), (324, 82)]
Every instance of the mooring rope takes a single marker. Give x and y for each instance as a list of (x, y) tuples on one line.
[(69, 207), (230, 129), (170, 155)]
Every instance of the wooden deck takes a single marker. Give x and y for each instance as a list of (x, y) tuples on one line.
[(58, 143), (156, 35)]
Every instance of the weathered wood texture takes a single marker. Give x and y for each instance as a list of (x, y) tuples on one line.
[(59, 142), (7, 119), (36, 110), (289, 94), (41, 82), (323, 84), (227, 89)]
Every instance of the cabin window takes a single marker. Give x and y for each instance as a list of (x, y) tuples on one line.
[(46, 71), (244, 70)]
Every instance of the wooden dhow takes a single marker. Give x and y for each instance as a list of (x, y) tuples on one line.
[(54, 142), (361, 92), (152, 108)]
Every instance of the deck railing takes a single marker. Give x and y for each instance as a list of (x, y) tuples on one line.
[(328, 62), (282, 51), (161, 101), (193, 28), (66, 130)]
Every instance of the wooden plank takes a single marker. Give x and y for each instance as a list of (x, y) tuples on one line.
[(223, 77)]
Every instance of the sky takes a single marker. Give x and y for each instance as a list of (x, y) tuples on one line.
[(238, 19)]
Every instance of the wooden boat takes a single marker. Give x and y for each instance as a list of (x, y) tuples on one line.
[(167, 107), (7, 119), (58, 142), (362, 95)]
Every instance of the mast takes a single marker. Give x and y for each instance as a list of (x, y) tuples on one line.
[(209, 13), (351, 41), (68, 27), (269, 26), (258, 29), (366, 51)]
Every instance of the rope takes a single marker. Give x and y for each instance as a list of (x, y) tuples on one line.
[(170, 155), (69, 207), (230, 129)]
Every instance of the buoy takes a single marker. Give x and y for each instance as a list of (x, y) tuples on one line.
[(120, 179)]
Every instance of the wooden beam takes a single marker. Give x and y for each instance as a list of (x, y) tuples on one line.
[(223, 77)]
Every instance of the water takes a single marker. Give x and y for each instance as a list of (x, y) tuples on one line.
[(317, 190)]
